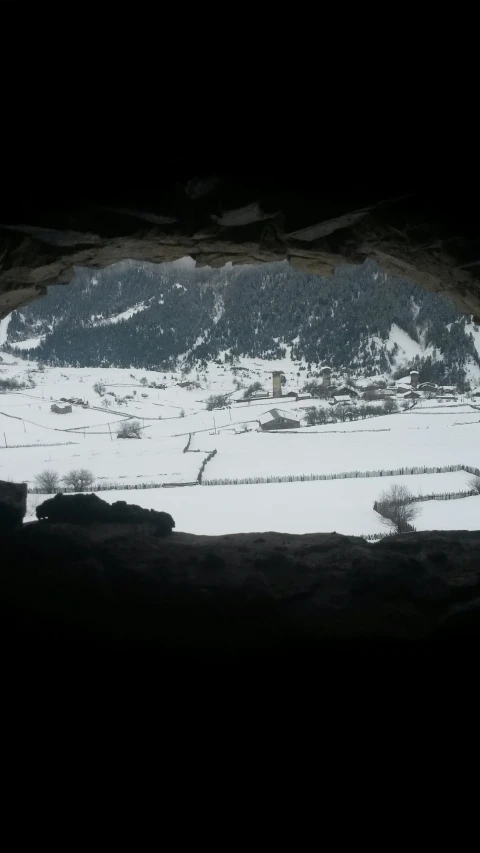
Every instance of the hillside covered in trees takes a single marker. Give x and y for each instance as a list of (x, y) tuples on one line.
[(147, 316)]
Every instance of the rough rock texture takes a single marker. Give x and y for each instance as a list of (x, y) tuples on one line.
[(118, 587), (401, 234), (13, 504), (90, 509), (248, 153)]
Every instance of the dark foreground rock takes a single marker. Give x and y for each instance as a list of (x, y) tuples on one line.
[(90, 509), (118, 587), (13, 504)]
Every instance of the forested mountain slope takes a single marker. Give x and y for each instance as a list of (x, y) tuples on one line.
[(148, 316)]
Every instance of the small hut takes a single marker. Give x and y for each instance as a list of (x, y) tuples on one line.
[(61, 410)]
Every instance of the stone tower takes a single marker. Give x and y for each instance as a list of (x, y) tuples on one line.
[(414, 378), (326, 374), (277, 383)]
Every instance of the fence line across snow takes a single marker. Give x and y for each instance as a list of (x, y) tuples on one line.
[(439, 496), (202, 466), (120, 487), (344, 475), (53, 444)]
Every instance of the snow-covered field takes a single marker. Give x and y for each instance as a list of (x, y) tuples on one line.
[(431, 434), (395, 441), (345, 506)]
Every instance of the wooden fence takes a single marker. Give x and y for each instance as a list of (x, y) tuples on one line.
[(375, 537), (118, 487), (440, 496), (53, 444), (344, 475), (202, 466)]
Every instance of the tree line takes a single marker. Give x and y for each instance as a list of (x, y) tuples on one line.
[(263, 311)]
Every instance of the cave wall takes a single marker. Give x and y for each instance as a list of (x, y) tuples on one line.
[(67, 587), (217, 219)]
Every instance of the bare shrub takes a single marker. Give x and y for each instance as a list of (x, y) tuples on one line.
[(314, 388), (256, 386), (397, 509), (318, 416), (10, 385), (130, 429), (99, 388), (79, 479), (47, 482), (216, 401), (474, 484), (389, 407)]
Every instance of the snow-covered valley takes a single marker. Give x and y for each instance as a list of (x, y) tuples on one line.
[(178, 433)]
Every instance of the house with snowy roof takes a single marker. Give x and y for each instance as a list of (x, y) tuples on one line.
[(277, 419)]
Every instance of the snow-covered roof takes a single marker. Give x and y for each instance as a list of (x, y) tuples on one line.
[(274, 415), (342, 398)]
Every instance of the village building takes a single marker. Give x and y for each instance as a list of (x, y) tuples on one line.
[(277, 419), (259, 395), (61, 410), (411, 395), (342, 399), (346, 389)]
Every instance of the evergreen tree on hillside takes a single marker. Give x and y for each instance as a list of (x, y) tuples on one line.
[(146, 316)]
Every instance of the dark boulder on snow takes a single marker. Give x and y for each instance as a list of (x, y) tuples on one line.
[(75, 509), (90, 509), (124, 513)]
